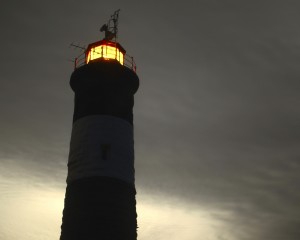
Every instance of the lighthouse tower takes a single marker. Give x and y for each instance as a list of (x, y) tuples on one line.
[(100, 196)]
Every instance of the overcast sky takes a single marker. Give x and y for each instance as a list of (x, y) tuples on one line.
[(217, 117)]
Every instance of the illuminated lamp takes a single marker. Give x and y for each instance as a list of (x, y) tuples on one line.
[(105, 50)]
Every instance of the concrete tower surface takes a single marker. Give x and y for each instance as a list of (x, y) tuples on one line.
[(100, 196)]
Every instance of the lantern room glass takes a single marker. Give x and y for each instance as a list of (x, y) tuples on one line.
[(106, 52)]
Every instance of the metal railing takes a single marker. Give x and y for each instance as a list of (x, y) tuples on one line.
[(79, 60), (128, 60)]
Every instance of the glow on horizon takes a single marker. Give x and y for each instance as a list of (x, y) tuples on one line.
[(33, 211), (163, 218)]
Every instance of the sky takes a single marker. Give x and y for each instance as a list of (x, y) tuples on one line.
[(216, 118)]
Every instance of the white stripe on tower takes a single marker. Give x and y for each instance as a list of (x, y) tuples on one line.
[(101, 145)]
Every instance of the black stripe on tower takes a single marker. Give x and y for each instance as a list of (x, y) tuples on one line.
[(106, 88), (101, 207)]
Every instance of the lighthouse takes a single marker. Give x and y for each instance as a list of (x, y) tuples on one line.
[(100, 195)]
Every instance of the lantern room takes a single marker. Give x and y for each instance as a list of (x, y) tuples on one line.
[(105, 50), (108, 49)]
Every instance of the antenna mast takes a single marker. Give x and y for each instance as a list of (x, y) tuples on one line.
[(111, 28)]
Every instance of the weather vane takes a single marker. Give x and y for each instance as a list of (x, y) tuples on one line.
[(111, 28)]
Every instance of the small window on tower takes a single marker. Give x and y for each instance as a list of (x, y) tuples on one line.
[(105, 151)]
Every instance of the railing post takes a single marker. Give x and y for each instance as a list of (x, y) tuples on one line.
[(75, 63)]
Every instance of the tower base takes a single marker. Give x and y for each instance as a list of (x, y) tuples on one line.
[(99, 208)]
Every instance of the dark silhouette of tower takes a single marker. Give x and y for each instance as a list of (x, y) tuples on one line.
[(100, 196)]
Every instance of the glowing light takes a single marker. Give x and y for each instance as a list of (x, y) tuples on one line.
[(106, 52)]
